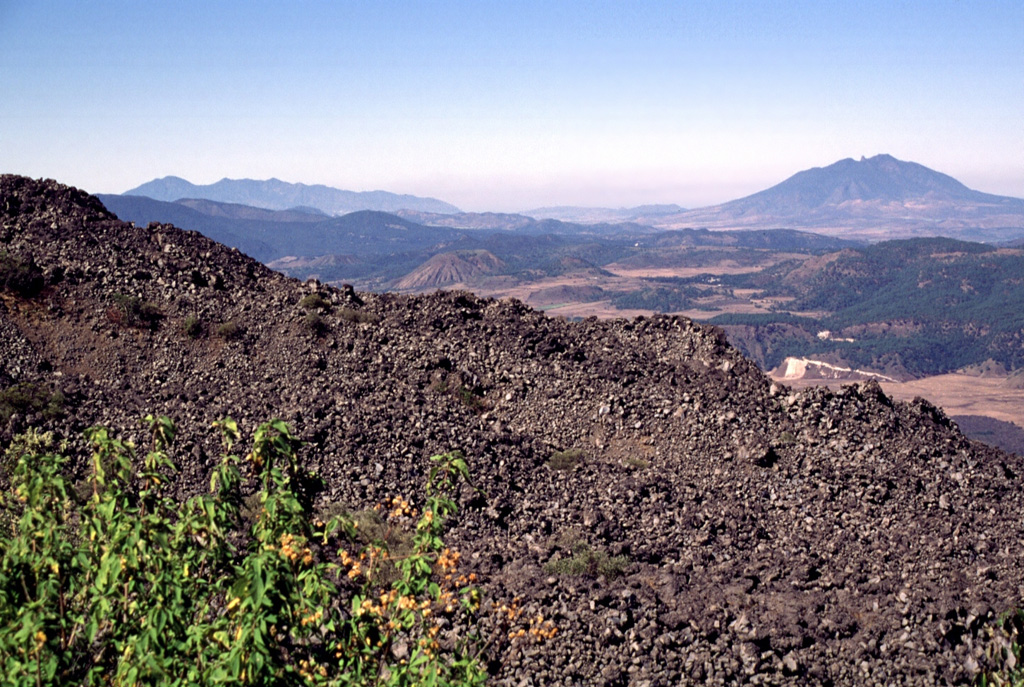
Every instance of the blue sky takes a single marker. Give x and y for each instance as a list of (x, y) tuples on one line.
[(510, 105)]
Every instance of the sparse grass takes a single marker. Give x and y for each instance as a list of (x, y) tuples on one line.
[(131, 312), (470, 399), (229, 331), (315, 301), (192, 327), (786, 439), (314, 323), (637, 463), (589, 562), (466, 395), (565, 460), (358, 316), (1009, 653)]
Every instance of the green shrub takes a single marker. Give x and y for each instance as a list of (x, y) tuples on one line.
[(21, 277), (315, 301), (358, 316), (469, 398), (638, 463), (314, 323), (589, 562), (134, 313), (31, 442), (30, 397), (229, 330), (192, 327), (565, 460), (134, 588)]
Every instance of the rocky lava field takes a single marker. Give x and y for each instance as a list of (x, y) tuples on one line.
[(749, 533)]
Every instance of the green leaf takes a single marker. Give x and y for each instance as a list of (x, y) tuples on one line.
[(257, 582)]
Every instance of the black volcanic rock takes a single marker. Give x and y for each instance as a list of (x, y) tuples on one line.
[(770, 536)]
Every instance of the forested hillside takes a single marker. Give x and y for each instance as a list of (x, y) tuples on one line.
[(920, 306)]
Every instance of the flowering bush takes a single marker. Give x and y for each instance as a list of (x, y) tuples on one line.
[(133, 588)]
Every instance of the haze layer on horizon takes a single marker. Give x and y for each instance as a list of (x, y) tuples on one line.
[(510, 106)]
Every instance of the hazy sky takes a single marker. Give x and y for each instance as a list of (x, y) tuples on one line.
[(510, 105)]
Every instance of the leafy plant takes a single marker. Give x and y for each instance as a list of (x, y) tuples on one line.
[(133, 588)]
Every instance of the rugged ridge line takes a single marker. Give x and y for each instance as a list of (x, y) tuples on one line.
[(772, 536)]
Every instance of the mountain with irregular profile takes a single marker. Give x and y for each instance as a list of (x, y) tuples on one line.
[(275, 194), (872, 198)]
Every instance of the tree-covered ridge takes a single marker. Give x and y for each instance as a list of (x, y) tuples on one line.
[(926, 305)]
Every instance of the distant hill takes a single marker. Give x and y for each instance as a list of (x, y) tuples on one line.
[(237, 211), (592, 215), (522, 224), (275, 194), (445, 269), (906, 308), (873, 198), (236, 232), (1005, 435), (271, 235), (493, 221)]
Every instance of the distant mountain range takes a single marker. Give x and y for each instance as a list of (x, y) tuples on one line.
[(591, 215), (269, 235), (275, 194), (873, 198)]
